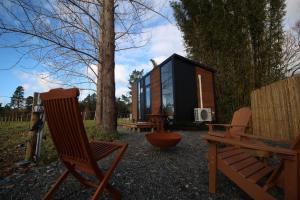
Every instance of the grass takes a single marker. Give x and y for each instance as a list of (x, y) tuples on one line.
[(13, 138), (122, 121)]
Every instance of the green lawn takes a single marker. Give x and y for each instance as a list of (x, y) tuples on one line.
[(14, 134)]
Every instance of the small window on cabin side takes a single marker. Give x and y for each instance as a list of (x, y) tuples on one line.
[(148, 94), (139, 99), (167, 88)]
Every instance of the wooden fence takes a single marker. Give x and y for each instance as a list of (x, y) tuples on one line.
[(14, 117), (276, 109)]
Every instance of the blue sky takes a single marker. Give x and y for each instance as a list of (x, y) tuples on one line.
[(165, 40)]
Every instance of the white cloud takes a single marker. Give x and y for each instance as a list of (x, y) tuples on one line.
[(46, 82), (159, 59), (121, 73), (292, 12), (37, 82), (3, 101), (92, 72), (166, 40), (121, 90), (27, 86)]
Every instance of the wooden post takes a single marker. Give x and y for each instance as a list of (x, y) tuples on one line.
[(212, 163), (35, 117), (291, 181)]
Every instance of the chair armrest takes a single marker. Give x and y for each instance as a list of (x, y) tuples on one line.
[(225, 125), (210, 127), (237, 125), (256, 137), (277, 150), (217, 134)]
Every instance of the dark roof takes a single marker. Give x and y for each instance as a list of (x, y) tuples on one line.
[(197, 64), (206, 67)]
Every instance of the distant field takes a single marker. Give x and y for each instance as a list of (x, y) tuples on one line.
[(13, 137)]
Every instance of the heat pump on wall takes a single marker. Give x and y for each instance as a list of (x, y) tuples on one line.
[(202, 114)]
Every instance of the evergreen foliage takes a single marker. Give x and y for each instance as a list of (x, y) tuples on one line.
[(88, 105), (123, 106), (28, 103), (242, 39), (133, 77), (17, 99)]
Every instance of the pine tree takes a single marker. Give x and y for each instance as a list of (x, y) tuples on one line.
[(17, 99), (28, 103), (242, 39), (133, 77)]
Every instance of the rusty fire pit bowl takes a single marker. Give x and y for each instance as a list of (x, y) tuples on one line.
[(163, 140)]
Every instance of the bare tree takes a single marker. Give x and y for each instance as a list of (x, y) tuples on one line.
[(291, 50), (75, 40)]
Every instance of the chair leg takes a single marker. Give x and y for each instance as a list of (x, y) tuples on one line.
[(212, 162), (55, 186), (115, 193), (104, 181)]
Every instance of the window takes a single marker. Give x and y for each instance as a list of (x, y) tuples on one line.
[(139, 99), (147, 80), (148, 94), (167, 88)]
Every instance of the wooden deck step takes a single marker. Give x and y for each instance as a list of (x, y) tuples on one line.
[(244, 163), (236, 158), (251, 169), (254, 178)]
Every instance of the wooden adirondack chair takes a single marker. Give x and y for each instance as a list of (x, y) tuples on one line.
[(71, 142), (237, 129), (251, 174), (238, 125)]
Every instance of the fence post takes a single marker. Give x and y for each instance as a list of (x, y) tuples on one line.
[(34, 143)]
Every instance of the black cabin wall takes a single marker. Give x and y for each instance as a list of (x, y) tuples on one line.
[(185, 91)]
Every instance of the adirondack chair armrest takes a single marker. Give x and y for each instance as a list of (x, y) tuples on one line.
[(225, 125), (216, 134), (287, 153), (237, 125), (256, 137), (211, 127)]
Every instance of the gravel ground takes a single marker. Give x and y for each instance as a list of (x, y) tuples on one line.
[(144, 173)]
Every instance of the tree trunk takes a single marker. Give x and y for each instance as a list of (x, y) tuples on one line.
[(98, 114), (109, 119)]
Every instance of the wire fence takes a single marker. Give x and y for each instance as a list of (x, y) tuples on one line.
[(6, 118), (12, 117), (90, 115)]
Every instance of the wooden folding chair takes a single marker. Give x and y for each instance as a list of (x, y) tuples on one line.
[(252, 175), (71, 142)]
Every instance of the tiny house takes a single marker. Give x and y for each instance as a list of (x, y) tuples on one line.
[(175, 87)]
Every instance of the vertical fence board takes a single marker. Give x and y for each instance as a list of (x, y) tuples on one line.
[(276, 109)]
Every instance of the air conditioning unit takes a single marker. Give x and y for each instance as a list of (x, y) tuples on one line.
[(202, 114)]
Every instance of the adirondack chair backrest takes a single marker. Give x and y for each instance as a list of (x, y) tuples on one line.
[(65, 124), (241, 117), (296, 144)]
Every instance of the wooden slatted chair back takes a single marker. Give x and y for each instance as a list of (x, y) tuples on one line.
[(66, 126), (296, 143), (241, 118)]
